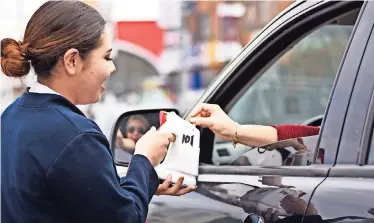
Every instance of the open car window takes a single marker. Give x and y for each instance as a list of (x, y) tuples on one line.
[(293, 89), (297, 86)]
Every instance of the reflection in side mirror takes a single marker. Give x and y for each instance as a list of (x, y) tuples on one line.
[(129, 128)]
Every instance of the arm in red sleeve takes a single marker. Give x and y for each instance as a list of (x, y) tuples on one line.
[(295, 131)]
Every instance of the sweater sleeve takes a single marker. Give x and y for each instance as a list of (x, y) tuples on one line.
[(84, 181), (295, 131)]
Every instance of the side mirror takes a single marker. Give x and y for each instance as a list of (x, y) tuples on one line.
[(128, 129)]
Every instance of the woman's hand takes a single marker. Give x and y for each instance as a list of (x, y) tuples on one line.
[(124, 143), (153, 145), (175, 190), (128, 144), (119, 141), (213, 117)]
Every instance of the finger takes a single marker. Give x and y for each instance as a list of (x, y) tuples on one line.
[(152, 129), (171, 137), (167, 135), (189, 117), (119, 134), (202, 121), (165, 185), (186, 190), (177, 186), (205, 114), (167, 181), (203, 108), (300, 140), (197, 110), (201, 114), (160, 189)]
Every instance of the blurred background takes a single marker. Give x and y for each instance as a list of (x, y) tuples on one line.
[(166, 52)]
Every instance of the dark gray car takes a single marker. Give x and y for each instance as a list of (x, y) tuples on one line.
[(312, 64)]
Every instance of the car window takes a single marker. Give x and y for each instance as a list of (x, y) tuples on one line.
[(297, 86), (294, 89)]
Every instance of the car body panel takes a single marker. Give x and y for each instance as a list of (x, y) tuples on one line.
[(347, 194), (345, 198), (278, 193)]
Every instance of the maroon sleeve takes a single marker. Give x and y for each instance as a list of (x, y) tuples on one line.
[(294, 131)]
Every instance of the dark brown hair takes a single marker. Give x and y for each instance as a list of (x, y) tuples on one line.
[(53, 29)]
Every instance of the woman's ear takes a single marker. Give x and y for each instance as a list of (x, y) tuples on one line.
[(70, 61)]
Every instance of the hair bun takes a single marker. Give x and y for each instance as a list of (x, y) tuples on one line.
[(13, 60)]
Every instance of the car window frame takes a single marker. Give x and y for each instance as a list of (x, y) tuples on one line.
[(356, 132), (317, 15), (367, 139), (367, 145)]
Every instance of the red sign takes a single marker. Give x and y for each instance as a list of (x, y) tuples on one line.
[(146, 34)]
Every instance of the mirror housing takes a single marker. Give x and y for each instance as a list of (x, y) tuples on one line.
[(123, 137)]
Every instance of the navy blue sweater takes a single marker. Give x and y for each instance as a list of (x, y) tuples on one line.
[(56, 166)]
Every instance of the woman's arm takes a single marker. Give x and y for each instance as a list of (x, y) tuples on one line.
[(259, 135), (84, 180), (128, 143), (213, 117), (256, 135)]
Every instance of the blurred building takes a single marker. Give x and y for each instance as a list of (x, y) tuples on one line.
[(219, 30), (146, 42), (185, 43)]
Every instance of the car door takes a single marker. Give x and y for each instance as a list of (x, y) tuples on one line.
[(347, 194), (229, 193)]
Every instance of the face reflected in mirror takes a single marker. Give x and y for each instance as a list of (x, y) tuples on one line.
[(130, 131), (130, 128), (136, 127)]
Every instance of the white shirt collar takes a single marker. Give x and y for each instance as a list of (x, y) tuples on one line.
[(39, 88)]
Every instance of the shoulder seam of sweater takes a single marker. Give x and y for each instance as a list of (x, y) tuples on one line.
[(67, 145), (93, 123), (54, 108), (32, 106), (58, 110)]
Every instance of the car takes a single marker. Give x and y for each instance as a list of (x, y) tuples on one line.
[(312, 64)]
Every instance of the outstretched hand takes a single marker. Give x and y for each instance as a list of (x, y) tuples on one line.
[(166, 188), (213, 117)]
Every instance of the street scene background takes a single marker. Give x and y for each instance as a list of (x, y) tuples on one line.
[(167, 52)]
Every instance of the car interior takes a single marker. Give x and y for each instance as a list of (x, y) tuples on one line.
[(222, 152), (224, 155)]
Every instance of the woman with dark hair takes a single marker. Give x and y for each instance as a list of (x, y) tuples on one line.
[(56, 165)]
